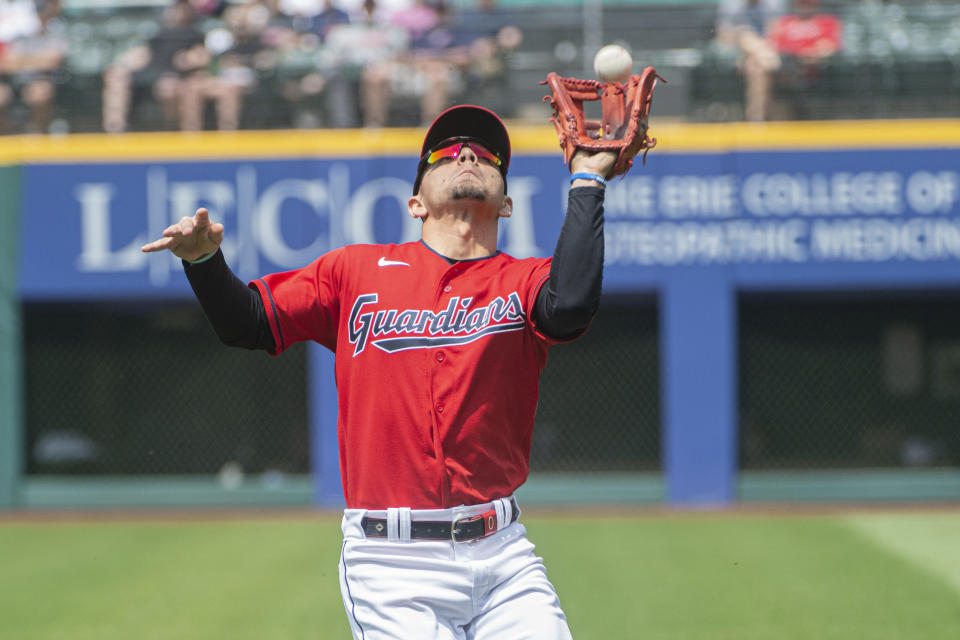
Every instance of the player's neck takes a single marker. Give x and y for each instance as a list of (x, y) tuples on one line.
[(460, 240)]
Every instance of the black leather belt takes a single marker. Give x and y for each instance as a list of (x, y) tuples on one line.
[(458, 530)]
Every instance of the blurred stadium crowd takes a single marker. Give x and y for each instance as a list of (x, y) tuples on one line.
[(129, 65)]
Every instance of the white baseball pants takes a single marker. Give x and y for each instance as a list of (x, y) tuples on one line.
[(494, 588)]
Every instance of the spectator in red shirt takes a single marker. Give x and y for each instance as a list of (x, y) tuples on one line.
[(807, 34), (805, 40)]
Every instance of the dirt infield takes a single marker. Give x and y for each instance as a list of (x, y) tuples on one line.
[(227, 514), (164, 514)]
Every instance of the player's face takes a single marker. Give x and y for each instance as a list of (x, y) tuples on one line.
[(463, 170)]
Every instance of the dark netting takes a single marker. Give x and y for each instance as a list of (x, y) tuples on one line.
[(600, 396), (850, 381), (148, 389)]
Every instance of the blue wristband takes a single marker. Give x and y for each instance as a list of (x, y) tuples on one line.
[(596, 177)]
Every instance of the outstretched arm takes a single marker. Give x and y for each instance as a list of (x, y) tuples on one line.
[(567, 301), (234, 310)]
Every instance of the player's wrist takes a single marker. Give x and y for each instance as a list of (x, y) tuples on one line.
[(202, 258), (587, 179)]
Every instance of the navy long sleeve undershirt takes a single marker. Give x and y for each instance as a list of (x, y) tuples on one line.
[(564, 307)]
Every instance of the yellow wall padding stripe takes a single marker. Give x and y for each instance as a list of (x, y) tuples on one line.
[(405, 142), (827, 135)]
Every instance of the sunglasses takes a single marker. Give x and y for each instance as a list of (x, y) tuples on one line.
[(451, 149)]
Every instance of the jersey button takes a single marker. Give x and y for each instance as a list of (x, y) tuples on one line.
[(439, 356), (439, 408), (447, 289)]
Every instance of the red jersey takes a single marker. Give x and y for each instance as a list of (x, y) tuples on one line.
[(799, 36), (437, 368)]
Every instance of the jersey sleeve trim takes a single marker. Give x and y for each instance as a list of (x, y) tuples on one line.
[(273, 317)]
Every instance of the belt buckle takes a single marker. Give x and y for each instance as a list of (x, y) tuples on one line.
[(489, 525), (453, 526)]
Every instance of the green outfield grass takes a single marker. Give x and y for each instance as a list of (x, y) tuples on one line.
[(858, 575)]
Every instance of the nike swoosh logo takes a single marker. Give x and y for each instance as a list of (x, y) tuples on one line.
[(383, 262)]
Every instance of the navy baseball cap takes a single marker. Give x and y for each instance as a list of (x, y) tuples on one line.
[(467, 121)]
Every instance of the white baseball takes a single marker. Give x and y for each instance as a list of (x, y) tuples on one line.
[(613, 63)]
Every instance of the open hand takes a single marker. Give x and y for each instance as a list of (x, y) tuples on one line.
[(189, 239)]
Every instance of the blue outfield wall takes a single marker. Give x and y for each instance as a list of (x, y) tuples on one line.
[(694, 227)]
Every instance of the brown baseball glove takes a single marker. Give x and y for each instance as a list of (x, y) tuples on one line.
[(625, 108)]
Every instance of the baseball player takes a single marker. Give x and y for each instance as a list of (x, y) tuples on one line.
[(439, 347)]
